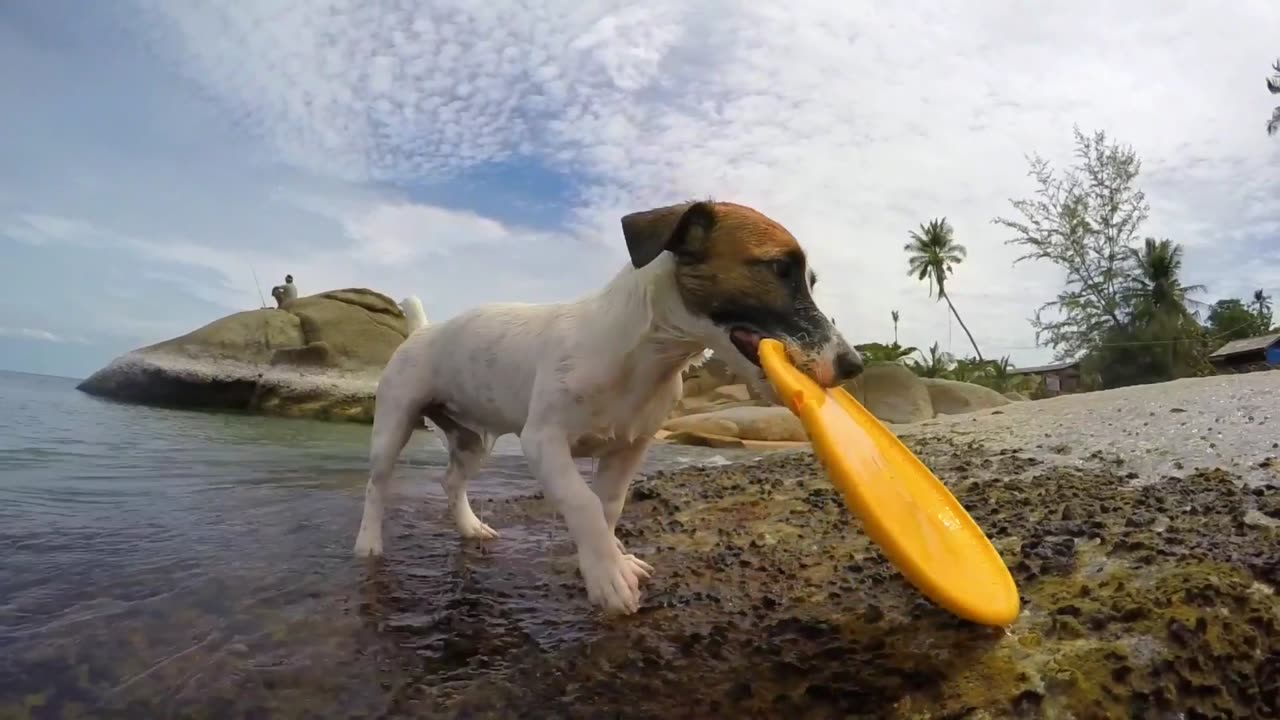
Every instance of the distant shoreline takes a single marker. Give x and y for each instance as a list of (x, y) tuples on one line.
[(6, 371)]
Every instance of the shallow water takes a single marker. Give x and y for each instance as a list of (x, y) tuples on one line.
[(157, 562)]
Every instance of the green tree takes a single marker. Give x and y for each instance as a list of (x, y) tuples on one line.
[(1230, 319), (932, 255), (1273, 84), (1084, 221), (1155, 292), (1262, 306), (1003, 379), (970, 370), (879, 352), (894, 314)]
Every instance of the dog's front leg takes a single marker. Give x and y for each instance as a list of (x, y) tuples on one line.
[(613, 477), (612, 578)]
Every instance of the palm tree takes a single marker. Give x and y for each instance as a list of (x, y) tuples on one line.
[(1155, 289), (936, 364), (1273, 84), (894, 314), (1262, 306), (878, 352), (1002, 377), (971, 370), (931, 255)]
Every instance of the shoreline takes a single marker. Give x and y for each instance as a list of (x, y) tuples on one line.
[(1146, 594)]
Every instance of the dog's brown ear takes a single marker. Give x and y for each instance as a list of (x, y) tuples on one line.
[(682, 229)]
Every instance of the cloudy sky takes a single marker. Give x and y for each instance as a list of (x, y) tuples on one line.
[(156, 154)]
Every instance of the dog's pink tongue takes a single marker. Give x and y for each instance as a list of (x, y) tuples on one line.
[(747, 337)]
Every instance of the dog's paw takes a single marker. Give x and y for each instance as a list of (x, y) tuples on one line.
[(613, 582), (367, 545), (476, 530), (643, 567), (622, 550)]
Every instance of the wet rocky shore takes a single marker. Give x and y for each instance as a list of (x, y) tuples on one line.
[(1146, 555), (1142, 527)]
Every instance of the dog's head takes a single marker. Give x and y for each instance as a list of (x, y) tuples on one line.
[(743, 277)]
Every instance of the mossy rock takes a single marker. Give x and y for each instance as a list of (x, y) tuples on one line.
[(318, 357), (361, 328), (252, 336), (316, 354)]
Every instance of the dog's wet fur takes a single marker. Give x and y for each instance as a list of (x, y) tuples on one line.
[(597, 377)]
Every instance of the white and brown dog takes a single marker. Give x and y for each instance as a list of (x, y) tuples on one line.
[(597, 377)]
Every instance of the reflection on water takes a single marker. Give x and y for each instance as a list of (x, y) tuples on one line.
[(159, 562)]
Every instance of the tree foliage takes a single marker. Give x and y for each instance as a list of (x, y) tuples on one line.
[(1155, 291), (1230, 319), (937, 364), (880, 352), (1085, 221), (932, 255), (1273, 84), (1124, 310), (998, 375), (1262, 307)]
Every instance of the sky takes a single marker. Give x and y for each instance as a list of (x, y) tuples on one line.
[(157, 156)]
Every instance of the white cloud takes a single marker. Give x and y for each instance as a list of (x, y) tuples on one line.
[(41, 335), (851, 122), (396, 247)]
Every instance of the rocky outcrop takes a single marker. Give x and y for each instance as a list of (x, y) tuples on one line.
[(952, 397), (729, 416), (771, 424), (319, 356)]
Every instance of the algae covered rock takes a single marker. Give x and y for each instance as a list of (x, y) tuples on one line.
[(769, 601), (319, 356)]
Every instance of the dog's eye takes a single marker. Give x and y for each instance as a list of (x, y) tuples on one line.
[(783, 268)]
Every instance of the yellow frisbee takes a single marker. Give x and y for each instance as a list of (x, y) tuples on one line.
[(918, 524)]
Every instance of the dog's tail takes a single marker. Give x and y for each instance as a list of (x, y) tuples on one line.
[(413, 313)]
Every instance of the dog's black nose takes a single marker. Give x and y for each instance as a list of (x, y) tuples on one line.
[(848, 366)]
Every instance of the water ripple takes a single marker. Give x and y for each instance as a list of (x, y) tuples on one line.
[(170, 557)]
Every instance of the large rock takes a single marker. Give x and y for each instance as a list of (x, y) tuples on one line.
[(893, 393), (952, 397), (773, 424), (319, 356)]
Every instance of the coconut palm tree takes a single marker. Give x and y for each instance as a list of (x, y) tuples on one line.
[(879, 352), (932, 254), (970, 370), (1273, 84), (1262, 306), (1155, 289), (934, 365), (894, 314)]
